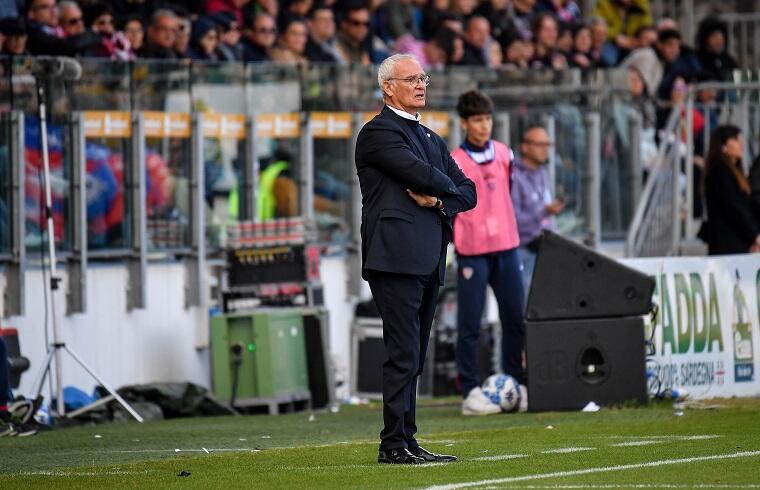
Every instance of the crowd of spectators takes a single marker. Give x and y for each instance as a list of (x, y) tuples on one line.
[(493, 33)]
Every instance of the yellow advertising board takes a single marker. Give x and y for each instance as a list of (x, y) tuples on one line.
[(107, 124), (224, 125), (437, 121), (331, 124), (286, 125), (166, 124)]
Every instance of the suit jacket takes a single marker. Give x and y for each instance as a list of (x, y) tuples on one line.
[(398, 235)]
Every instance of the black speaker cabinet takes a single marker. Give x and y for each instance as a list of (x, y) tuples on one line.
[(573, 281), (316, 327), (573, 362)]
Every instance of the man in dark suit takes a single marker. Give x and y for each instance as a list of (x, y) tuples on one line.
[(411, 188)]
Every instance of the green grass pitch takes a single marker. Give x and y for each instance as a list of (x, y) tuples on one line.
[(713, 444)]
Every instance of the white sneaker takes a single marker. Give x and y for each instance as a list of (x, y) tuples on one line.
[(477, 403), (523, 407)]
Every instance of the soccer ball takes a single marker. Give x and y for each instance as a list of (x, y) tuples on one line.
[(502, 390)]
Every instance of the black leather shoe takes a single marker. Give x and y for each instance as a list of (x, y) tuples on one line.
[(398, 456), (432, 457)]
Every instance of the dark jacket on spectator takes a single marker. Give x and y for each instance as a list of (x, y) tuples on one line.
[(714, 66), (473, 56), (317, 54), (157, 52), (686, 66), (40, 42), (253, 52), (754, 184), (732, 226)]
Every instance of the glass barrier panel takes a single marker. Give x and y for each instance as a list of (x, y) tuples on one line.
[(279, 154), (59, 162), (104, 85), (218, 87), (161, 85), (167, 165)]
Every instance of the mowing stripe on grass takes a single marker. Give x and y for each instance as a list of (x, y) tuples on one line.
[(587, 471), (563, 450), (500, 457)]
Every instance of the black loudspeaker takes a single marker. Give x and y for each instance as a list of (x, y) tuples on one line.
[(321, 382), (573, 362), (573, 281)]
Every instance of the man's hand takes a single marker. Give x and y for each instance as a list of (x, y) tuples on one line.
[(422, 200), (555, 207)]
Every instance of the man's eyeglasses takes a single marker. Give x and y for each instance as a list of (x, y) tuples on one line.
[(73, 22), (264, 30), (358, 23), (414, 80)]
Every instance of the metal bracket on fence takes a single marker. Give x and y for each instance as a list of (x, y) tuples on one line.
[(196, 260), (306, 172), (76, 265), (250, 172), (15, 270), (593, 185), (137, 261)]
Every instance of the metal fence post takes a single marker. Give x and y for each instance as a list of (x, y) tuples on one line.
[(15, 271), (195, 262), (137, 262), (593, 184), (250, 172), (551, 127), (455, 131), (76, 266), (634, 163), (306, 180), (689, 197), (502, 128), (353, 286)]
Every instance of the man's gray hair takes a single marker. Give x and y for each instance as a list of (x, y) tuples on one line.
[(162, 13), (385, 71), (67, 4)]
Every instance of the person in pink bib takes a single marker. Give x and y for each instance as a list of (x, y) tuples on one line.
[(486, 242)]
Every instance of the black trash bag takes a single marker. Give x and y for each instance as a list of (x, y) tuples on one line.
[(176, 399), (149, 411)]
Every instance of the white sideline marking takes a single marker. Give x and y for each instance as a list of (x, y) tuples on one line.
[(209, 450), (636, 443), (698, 437), (500, 457), (587, 471), (563, 450), (78, 473), (641, 485)]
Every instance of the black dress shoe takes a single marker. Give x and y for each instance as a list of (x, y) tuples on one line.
[(432, 457), (399, 455)]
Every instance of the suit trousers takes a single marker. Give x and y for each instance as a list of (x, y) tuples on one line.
[(406, 304)]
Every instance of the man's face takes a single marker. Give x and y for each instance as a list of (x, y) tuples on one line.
[(647, 38), (670, 49), (406, 90), (535, 146), (478, 128), (294, 37), (322, 24), (356, 25), (71, 20), (44, 12), (716, 42), (548, 32), (163, 32), (478, 32), (264, 31)]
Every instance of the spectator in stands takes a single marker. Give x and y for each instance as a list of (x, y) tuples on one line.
[(294, 9), (400, 20), (433, 53), (113, 44), (522, 15), (645, 37), (235, 7), (433, 16), (134, 28), (566, 12), (13, 36), (271, 7), (260, 39), (204, 40), (462, 8), (477, 37), (320, 47), (564, 41), (228, 29), (184, 26), (351, 42), (70, 18), (581, 55), (754, 184), (162, 35), (603, 52), (712, 50), (518, 54), (677, 61), (732, 228), (45, 36), (292, 43), (535, 207), (623, 18), (497, 12), (545, 33)]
